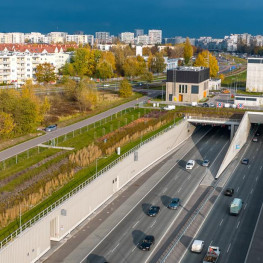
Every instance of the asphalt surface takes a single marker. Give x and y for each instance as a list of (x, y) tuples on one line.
[(121, 241), (62, 131), (233, 233)]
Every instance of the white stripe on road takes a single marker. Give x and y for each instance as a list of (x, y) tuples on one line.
[(221, 222), (237, 189), (135, 224), (244, 177), (179, 189), (260, 168), (153, 224), (238, 224), (164, 190), (251, 191), (256, 178), (115, 248), (245, 206), (228, 248)]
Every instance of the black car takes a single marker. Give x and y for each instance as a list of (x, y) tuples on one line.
[(153, 210), (206, 105), (229, 192), (257, 134), (245, 161), (146, 243)]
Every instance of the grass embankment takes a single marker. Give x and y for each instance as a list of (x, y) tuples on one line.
[(79, 141), (238, 80)]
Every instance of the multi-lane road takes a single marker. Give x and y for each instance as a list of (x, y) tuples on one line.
[(119, 242), (233, 233)]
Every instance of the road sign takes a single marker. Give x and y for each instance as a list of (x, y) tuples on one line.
[(219, 104), (240, 105)]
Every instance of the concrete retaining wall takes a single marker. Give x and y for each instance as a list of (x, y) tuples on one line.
[(237, 143), (35, 241)]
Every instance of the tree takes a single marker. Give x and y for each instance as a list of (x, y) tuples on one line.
[(6, 124), (125, 89), (188, 51), (68, 69), (156, 63), (147, 76), (222, 77), (45, 73), (206, 59)]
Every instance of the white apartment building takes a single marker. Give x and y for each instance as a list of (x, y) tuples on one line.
[(81, 39), (57, 37), (14, 38), (35, 37), (102, 37), (142, 40), (155, 36), (127, 37), (17, 67)]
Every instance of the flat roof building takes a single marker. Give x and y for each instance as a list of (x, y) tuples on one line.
[(254, 75), (187, 84)]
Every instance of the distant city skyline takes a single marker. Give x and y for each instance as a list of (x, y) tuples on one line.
[(176, 18)]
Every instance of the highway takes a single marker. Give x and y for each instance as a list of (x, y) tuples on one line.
[(233, 233), (119, 243), (61, 131)]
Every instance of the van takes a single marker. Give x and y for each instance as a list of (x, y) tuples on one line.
[(235, 206)]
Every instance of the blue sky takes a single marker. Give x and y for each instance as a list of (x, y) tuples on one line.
[(176, 17)]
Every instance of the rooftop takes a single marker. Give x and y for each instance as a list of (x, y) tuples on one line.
[(190, 68)]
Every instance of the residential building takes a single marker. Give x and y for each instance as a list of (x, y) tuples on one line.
[(155, 36), (214, 84), (57, 37), (35, 37), (102, 37), (139, 32), (187, 84), (127, 37), (81, 39), (139, 50), (254, 75), (142, 40)]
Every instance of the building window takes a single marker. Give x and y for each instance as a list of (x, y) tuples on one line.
[(185, 89), (180, 89), (170, 97), (195, 89)]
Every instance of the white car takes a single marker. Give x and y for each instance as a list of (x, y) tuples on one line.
[(197, 246), (190, 164)]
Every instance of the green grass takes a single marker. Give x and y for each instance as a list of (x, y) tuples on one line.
[(239, 79), (249, 93), (79, 178)]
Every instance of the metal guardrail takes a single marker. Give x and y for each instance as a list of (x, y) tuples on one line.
[(213, 119), (49, 209)]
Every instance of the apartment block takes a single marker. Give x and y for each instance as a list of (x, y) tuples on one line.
[(155, 36)]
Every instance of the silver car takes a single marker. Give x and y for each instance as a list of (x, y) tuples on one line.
[(205, 163)]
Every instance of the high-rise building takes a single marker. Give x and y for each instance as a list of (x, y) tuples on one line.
[(139, 32), (127, 37), (81, 39), (102, 37), (57, 37), (142, 40), (155, 36)]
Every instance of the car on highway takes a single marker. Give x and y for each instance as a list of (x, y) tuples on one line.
[(146, 243), (190, 165), (197, 246), (205, 105), (51, 128), (211, 105), (174, 204), (229, 192), (206, 163), (255, 139), (153, 210), (245, 161)]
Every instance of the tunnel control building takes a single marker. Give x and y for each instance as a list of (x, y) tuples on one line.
[(187, 84)]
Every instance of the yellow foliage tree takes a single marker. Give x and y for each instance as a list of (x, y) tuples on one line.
[(6, 124), (188, 51)]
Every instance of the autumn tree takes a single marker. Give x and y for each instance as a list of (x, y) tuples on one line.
[(125, 89), (156, 63), (188, 51), (147, 76), (206, 59), (6, 124), (45, 73), (134, 66)]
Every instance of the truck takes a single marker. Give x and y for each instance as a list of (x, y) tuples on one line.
[(169, 107), (235, 206), (212, 255)]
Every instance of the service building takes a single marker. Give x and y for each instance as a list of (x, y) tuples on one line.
[(187, 84), (254, 75)]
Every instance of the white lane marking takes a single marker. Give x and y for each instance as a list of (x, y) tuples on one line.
[(237, 189), (221, 222), (134, 248), (256, 178), (228, 248), (251, 191), (244, 177), (189, 177), (257, 149), (135, 224), (248, 166), (245, 206), (115, 248), (211, 243), (260, 168), (238, 224), (179, 189), (164, 190), (153, 224)]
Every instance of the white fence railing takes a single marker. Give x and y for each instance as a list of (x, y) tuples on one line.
[(78, 188)]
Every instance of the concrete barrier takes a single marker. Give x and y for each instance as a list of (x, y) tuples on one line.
[(237, 143), (35, 240)]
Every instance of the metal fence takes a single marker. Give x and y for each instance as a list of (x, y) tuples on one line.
[(79, 188)]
